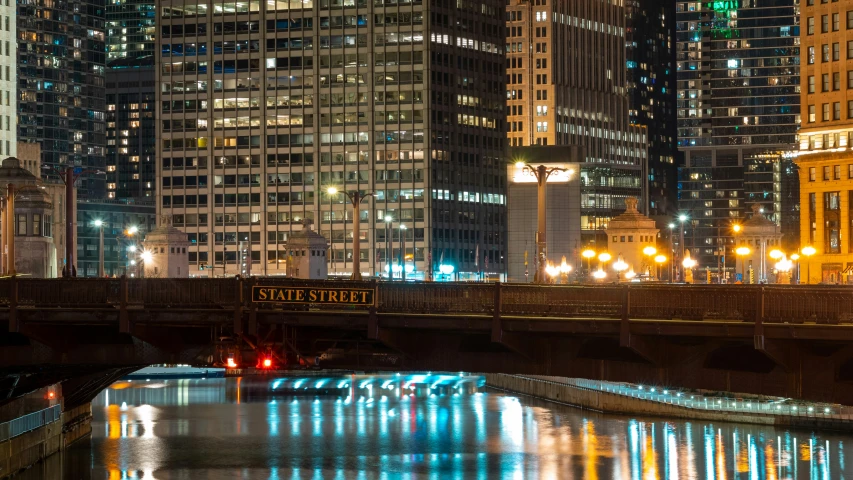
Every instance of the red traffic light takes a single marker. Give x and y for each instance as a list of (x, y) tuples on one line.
[(267, 363), (231, 363)]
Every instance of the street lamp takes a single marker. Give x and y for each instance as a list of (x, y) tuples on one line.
[(660, 260), (541, 173), (403, 252), (565, 268), (130, 233), (620, 266), (783, 267), (681, 218), (388, 264), (146, 257), (588, 254), (100, 224), (599, 274), (355, 198), (650, 252), (796, 257), (688, 264), (776, 254), (808, 251), (742, 252), (552, 271)]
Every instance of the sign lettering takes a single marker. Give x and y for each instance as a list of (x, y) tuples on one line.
[(306, 295)]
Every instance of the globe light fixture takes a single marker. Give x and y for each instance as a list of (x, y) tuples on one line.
[(776, 254)]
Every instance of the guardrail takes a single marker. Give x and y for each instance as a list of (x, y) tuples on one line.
[(736, 303), (29, 422), (698, 401)]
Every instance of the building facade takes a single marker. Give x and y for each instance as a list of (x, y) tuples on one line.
[(130, 29), (131, 129), (8, 82), (264, 105), (125, 224), (650, 41), (738, 113), (825, 160), (61, 65), (566, 85)]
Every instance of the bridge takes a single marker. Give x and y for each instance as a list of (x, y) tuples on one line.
[(789, 341)]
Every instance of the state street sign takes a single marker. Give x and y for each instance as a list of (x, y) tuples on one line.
[(308, 295)]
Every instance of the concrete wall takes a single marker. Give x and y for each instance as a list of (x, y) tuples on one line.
[(551, 388)]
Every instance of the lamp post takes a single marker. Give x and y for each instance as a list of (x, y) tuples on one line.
[(131, 233), (388, 221), (808, 251), (565, 268), (796, 258), (688, 264), (742, 252), (620, 266), (671, 252), (650, 252), (541, 173), (660, 260), (403, 252), (146, 258), (783, 269), (552, 272), (681, 219), (100, 224), (355, 198), (588, 254)]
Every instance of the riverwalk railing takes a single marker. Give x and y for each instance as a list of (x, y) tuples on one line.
[(703, 401), (29, 422), (828, 305)]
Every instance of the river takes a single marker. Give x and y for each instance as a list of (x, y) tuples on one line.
[(413, 426)]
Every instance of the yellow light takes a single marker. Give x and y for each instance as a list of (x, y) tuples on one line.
[(620, 265), (551, 270), (332, 191), (784, 265), (776, 254), (604, 257), (565, 267), (599, 274), (736, 228), (519, 164), (588, 253), (809, 251), (689, 263), (147, 256), (743, 251), (795, 257), (660, 259), (650, 250), (630, 274)]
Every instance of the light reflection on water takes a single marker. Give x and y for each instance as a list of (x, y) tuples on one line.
[(245, 429)]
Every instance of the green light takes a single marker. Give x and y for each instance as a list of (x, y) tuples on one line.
[(724, 5)]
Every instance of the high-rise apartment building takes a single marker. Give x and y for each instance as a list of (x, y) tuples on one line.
[(738, 111), (265, 105), (650, 42), (8, 85), (130, 29), (131, 100), (826, 139), (566, 85), (61, 63)]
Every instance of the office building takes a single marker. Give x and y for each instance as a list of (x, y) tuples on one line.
[(738, 111), (650, 42), (566, 85), (264, 105), (131, 129), (61, 62), (824, 158)]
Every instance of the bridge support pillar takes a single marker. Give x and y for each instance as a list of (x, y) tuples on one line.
[(508, 339), (636, 344)]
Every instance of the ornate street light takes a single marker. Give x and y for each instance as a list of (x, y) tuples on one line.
[(742, 252), (588, 254), (620, 266), (808, 251), (355, 198)]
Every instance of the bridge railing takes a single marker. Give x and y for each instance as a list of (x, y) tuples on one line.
[(463, 298), (29, 422), (561, 301), (182, 292), (822, 305), (696, 302), (46, 293)]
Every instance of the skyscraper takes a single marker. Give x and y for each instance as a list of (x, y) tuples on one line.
[(566, 85), (131, 98), (738, 110), (650, 41), (61, 63), (264, 105)]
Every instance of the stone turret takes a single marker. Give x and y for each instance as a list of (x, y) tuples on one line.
[(628, 234), (167, 247), (306, 254)]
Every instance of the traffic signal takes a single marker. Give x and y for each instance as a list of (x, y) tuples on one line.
[(202, 266)]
